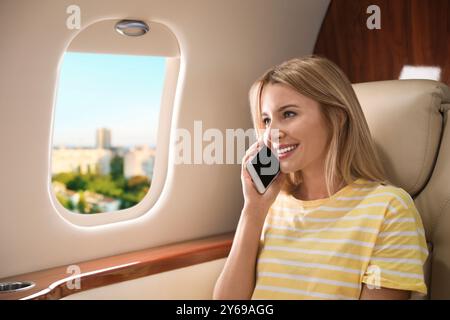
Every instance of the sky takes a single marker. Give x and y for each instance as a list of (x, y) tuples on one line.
[(118, 92)]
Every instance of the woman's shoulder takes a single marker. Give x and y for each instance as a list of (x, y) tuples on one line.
[(396, 199)]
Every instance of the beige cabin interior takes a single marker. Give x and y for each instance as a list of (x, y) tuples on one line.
[(214, 50)]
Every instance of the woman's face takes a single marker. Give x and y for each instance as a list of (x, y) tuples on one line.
[(302, 137)]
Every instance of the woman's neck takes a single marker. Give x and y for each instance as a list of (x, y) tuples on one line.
[(313, 188)]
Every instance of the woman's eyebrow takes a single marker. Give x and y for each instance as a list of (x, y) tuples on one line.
[(282, 108)]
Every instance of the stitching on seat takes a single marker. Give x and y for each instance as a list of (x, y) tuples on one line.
[(433, 98), (442, 210), (444, 110)]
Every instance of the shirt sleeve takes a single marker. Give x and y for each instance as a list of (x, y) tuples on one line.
[(400, 251)]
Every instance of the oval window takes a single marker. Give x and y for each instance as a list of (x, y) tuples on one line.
[(106, 119)]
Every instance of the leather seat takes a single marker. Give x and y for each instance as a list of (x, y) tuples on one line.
[(408, 121)]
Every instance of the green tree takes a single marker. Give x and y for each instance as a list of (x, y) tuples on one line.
[(82, 203), (63, 200), (128, 199), (121, 182), (137, 183), (116, 167), (142, 193), (63, 177), (95, 209), (123, 204), (79, 182), (104, 185), (70, 205)]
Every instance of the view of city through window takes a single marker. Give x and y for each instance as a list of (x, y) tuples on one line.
[(105, 126)]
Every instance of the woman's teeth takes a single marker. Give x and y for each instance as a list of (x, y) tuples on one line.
[(287, 149)]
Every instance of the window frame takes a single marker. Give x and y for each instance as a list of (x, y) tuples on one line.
[(171, 84)]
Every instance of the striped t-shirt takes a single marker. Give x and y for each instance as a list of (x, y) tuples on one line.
[(325, 249)]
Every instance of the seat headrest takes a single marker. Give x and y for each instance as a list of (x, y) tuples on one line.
[(406, 124)]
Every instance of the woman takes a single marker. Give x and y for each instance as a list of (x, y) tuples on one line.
[(330, 226)]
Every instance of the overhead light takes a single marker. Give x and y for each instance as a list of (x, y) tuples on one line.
[(132, 28)]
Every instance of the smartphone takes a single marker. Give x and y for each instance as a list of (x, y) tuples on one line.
[(264, 167)]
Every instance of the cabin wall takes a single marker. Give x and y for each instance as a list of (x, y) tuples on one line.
[(413, 32), (225, 46), (173, 285)]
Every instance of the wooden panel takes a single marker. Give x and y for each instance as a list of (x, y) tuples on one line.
[(430, 34), (413, 32), (52, 283)]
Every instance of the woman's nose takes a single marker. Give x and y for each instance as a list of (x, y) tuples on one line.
[(273, 136)]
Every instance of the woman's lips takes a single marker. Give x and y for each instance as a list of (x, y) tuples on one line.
[(286, 151)]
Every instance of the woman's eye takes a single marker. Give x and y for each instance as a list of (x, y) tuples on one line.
[(288, 114)]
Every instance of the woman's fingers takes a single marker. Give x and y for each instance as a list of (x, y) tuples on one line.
[(252, 150)]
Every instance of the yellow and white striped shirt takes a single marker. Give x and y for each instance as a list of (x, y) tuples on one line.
[(325, 249)]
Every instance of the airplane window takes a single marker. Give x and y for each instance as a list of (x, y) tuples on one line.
[(105, 130)]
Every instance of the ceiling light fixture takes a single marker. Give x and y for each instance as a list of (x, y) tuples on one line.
[(132, 28)]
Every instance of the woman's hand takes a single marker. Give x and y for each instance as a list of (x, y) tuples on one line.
[(252, 197)]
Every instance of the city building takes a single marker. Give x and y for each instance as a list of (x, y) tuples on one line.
[(103, 138), (83, 159), (139, 161)]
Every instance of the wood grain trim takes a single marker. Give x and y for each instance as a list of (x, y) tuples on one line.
[(413, 32), (52, 283)]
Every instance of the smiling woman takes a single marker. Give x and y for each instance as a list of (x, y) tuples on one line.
[(332, 227), (331, 119), (304, 130)]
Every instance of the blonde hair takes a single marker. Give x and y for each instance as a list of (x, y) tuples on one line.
[(351, 153)]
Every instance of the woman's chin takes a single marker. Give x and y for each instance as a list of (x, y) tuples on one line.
[(286, 169), (290, 165)]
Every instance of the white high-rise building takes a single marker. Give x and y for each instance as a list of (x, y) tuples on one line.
[(139, 161), (103, 138)]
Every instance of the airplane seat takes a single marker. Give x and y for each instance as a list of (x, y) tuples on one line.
[(407, 119)]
